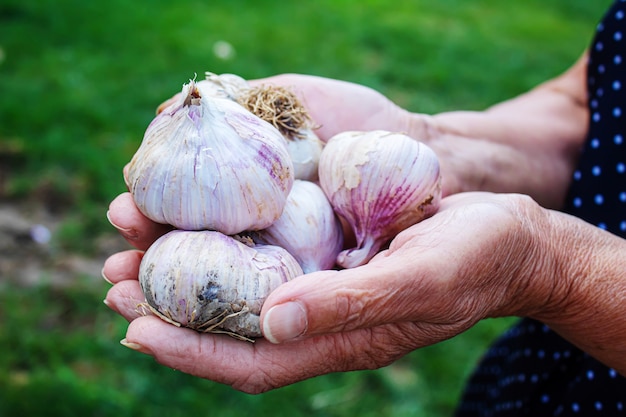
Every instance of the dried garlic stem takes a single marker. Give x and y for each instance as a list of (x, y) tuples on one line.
[(278, 106)]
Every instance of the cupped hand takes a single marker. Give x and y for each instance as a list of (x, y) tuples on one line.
[(471, 260)]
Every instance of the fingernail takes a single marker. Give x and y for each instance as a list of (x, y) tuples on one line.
[(127, 233), (105, 277), (106, 303), (284, 322), (133, 346)]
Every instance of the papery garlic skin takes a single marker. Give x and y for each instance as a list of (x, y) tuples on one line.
[(308, 228), (210, 282), (207, 163), (381, 183)]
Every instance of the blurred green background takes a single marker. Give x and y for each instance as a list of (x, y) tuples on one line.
[(79, 83)]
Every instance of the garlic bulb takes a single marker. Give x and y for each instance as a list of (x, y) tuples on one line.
[(281, 107), (380, 183), (308, 228), (210, 282), (228, 86), (305, 152), (207, 163)]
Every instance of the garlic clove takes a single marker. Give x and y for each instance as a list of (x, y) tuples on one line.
[(210, 282), (381, 183), (208, 163), (308, 228)]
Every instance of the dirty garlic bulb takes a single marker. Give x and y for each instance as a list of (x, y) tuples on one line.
[(210, 282), (208, 163), (308, 229), (381, 183), (279, 106)]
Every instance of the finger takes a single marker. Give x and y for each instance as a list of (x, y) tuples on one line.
[(384, 291), (136, 228), (168, 103), (260, 366), (126, 299), (125, 175), (122, 266)]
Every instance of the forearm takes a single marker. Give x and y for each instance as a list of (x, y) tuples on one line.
[(528, 144), (587, 297)]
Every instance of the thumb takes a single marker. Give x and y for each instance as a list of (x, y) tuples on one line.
[(338, 301)]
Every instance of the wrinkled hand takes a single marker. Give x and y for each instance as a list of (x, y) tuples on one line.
[(438, 278)]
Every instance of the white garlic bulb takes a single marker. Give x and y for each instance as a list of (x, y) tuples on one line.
[(228, 86), (208, 163), (210, 282), (308, 228), (281, 107), (381, 183), (305, 154)]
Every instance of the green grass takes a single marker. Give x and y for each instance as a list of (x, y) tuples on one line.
[(79, 83)]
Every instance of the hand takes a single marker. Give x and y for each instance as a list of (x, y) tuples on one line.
[(337, 106), (472, 260)]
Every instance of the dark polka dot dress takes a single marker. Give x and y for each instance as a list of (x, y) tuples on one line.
[(530, 370)]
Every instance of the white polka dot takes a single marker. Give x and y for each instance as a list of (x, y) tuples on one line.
[(602, 226), (617, 112), (618, 139), (541, 354), (622, 227), (545, 398), (596, 171), (590, 375), (575, 407), (619, 15), (613, 372), (596, 117), (599, 46), (622, 196), (617, 59), (620, 405), (594, 104), (600, 92), (599, 199), (577, 175), (617, 85), (621, 167), (595, 143), (598, 405), (601, 69), (617, 36), (578, 202)]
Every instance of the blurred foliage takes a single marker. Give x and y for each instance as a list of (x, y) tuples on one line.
[(80, 82)]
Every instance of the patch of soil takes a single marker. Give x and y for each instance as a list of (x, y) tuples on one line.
[(29, 255)]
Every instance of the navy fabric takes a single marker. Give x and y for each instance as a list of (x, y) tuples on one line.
[(530, 370)]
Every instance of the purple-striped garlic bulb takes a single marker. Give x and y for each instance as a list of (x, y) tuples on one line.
[(207, 163), (381, 183), (308, 229), (210, 282)]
